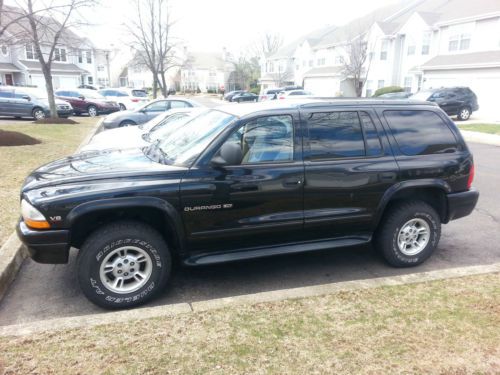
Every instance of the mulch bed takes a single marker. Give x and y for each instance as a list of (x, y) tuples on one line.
[(8, 138), (56, 121)]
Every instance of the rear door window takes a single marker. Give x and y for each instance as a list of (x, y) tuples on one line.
[(335, 135), (178, 104), (6, 94), (420, 132)]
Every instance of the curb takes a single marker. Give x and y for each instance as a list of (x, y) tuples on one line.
[(13, 253), (138, 314), (487, 139)]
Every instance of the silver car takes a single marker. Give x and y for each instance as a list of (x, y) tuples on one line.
[(146, 112)]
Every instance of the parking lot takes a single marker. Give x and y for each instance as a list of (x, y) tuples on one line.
[(50, 291)]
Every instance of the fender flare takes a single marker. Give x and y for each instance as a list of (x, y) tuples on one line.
[(172, 216), (405, 185)]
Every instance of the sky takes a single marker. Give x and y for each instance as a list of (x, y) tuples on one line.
[(210, 25)]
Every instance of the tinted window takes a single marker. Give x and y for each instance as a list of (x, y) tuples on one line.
[(139, 93), (335, 135), (373, 146), (120, 93), (265, 140), (178, 104), (6, 94), (420, 132)]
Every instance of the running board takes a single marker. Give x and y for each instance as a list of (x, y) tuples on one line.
[(261, 252)]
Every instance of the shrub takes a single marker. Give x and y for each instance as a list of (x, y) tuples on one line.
[(255, 90), (387, 90)]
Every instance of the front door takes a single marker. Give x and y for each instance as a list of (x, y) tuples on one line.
[(348, 167), (8, 80), (258, 202)]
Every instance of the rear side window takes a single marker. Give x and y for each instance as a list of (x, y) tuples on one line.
[(139, 93), (420, 132), (6, 94), (335, 135)]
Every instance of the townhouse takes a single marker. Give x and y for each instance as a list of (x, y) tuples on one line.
[(416, 45), (72, 66)]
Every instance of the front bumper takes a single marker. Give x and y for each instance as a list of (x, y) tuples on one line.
[(107, 110), (461, 204), (45, 246), (64, 112)]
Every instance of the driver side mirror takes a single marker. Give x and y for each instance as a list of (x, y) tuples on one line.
[(26, 97), (81, 97), (229, 154)]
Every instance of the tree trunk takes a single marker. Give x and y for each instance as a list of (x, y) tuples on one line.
[(50, 91), (163, 84), (155, 85)]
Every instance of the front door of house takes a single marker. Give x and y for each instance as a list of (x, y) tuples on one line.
[(8, 80)]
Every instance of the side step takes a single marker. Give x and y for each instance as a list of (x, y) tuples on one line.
[(261, 252)]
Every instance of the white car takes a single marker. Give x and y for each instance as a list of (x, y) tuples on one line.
[(126, 98), (295, 94), (145, 134)]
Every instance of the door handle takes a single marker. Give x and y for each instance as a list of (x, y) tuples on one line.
[(292, 182)]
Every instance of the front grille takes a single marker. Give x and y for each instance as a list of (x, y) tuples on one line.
[(63, 107)]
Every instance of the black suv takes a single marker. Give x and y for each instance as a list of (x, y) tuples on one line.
[(256, 180), (455, 101)]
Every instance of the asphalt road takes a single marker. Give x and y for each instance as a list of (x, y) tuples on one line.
[(49, 291)]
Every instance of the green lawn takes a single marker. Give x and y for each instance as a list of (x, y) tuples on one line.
[(17, 162), (441, 327), (482, 128)]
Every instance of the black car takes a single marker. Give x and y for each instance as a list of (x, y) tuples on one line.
[(29, 102), (245, 97), (241, 182), (230, 94), (455, 101)]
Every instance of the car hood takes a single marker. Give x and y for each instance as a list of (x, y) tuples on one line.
[(96, 165)]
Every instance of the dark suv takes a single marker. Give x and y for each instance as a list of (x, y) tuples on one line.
[(455, 101), (240, 182)]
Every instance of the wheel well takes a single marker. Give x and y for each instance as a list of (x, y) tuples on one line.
[(435, 197), (127, 122), (36, 109), (156, 218)]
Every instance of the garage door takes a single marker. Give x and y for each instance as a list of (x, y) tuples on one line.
[(322, 86)]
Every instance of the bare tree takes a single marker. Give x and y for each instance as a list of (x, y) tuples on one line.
[(357, 62), (44, 27), (282, 76), (246, 71), (152, 41), (268, 44)]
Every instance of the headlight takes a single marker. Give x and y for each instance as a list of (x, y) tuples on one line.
[(32, 217)]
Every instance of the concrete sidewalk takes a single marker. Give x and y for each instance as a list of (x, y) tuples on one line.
[(484, 138)]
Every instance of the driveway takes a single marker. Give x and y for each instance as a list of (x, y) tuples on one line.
[(50, 291)]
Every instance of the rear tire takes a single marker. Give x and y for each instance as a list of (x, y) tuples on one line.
[(122, 107), (123, 264), (92, 111), (464, 114), (409, 234)]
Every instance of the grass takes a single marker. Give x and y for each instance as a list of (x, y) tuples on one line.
[(18, 161), (442, 327), (482, 128)]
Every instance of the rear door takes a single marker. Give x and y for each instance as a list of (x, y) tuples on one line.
[(21, 105), (348, 167)]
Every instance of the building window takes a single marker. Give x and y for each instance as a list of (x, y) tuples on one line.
[(426, 43), (271, 67), (380, 83), (31, 53), (321, 61), (369, 89), (407, 84), (5, 50), (90, 80), (297, 67), (411, 50), (100, 68), (339, 60), (311, 63), (60, 54), (89, 57), (459, 42), (383, 50), (80, 56)]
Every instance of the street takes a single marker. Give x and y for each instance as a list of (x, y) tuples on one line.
[(49, 291)]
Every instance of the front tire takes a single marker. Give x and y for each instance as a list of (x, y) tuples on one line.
[(39, 114), (127, 123), (464, 113), (123, 264), (409, 234)]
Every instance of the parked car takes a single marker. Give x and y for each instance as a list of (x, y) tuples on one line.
[(29, 102), (269, 94), (146, 112), (126, 98), (294, 94), (241, 182), (395, 95), (455, 101), (142, 135), (230, 94), (87, 101), (245, 97)]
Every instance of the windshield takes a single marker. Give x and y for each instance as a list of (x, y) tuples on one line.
[(422, 95), (165, 128), (184, 145), (155, 121)]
